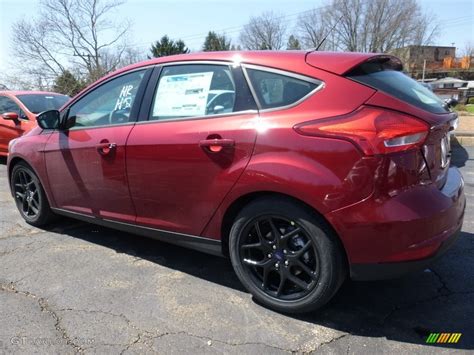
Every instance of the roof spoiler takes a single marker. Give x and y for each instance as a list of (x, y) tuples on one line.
[(342, 63), (384, 62)]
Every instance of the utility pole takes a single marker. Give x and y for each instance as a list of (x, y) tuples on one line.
[(424, 69)]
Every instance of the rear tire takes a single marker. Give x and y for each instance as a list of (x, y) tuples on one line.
[(29, 195), (286, 255)]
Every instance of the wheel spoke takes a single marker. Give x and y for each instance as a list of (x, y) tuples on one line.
[(266, 271), (275, 232), (34, 209), (290, 234), (260, 263), (35, 203), (303, 250), (20, 195), (305, 269), (251, 246), (297, 281), (281, 285)]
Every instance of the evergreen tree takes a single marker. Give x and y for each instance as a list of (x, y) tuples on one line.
[(68, 84), (293, 43), (167, 46), (215, 42)]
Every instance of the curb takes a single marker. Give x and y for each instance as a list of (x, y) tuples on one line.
[(466, 140)]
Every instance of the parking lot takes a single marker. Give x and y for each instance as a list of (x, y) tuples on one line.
[(77, 287)]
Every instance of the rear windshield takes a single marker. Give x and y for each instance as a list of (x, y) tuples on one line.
[(399, 85), (37, 103)]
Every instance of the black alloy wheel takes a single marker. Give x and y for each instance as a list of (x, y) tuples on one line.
[(26, 191), (286, 255), (29, 196), (280, 257)]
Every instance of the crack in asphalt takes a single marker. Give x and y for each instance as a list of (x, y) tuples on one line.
[(44, 307), (333, 340), (442, 292), (444, 289), (211, 340)]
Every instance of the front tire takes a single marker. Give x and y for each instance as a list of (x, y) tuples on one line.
[(285, 255), (29, 196)]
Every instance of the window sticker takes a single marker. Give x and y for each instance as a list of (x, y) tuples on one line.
[(124, 100), (182, 95)]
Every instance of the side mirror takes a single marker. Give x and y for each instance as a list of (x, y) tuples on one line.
[(12, 116), (48, 119), (451, 102)]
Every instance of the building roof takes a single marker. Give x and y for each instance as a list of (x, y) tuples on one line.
[(449, 80)]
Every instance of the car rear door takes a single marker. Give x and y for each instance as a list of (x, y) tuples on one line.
[(188, 153), (86, 163)]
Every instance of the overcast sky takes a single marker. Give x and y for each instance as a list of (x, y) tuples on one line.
[(191, 20)]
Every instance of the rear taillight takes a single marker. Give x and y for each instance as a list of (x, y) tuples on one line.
[(374, 130)]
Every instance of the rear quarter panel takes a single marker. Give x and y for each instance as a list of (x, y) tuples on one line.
[(324, 173)]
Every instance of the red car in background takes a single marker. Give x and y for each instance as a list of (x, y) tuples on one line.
[(18, 110), (304, 167)]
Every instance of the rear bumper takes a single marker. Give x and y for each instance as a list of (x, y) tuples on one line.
[(381, 271), (385, 237)]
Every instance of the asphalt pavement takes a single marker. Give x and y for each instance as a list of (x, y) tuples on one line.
[(76, 287)]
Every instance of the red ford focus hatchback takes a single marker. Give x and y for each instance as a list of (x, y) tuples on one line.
[(304, 168)]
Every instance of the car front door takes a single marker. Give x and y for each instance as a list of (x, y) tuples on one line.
[(186, 157), (86, 163), (10, 129)]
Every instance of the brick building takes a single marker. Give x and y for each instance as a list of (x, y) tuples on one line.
[(413, 56)]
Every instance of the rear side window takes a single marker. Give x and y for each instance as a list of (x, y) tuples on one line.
[(399, 85), (277, 90), (194, 90)]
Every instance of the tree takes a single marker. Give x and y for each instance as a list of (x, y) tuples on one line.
[(68, 84), (312, 26), (293, 43), (368, 26), (167, 46), (266, 31), (70, 33), (215, 42)]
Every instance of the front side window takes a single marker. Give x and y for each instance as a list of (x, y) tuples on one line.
[(109, 104), (277, 90), (193, 90)]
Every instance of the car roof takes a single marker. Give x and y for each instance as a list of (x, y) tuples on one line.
[(336, 62)]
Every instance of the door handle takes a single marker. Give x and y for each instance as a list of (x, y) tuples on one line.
[(215, 145), (106, 148)]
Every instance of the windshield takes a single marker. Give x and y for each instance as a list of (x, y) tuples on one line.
[(399, 85), (37, 103)]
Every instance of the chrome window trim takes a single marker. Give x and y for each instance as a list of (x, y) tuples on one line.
[(204, 117), (198, 62), (319, 85), (220, 115)]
